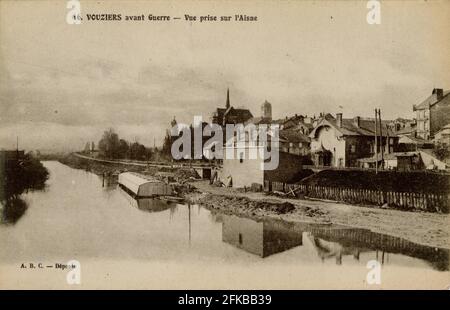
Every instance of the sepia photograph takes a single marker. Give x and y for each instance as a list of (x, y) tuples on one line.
[(224, 145)]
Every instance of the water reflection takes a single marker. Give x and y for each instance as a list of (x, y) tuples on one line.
[(260, 238), (12, 209), (329, 242), (265, 238), (92, 221)]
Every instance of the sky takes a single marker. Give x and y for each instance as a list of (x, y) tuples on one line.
[(62, 85)]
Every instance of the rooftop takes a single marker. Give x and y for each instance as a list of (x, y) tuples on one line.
[(431, 100)]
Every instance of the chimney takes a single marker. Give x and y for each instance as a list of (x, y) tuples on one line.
[(438, 93), (339, 119), (356, 121)]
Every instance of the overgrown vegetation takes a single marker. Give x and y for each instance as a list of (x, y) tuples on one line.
[(112, 147), (442, 151), (19, 175), (414, 181)]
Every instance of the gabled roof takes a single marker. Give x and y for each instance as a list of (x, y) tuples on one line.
[(417, 140), (294, 136), (242, 115), (349, 127), (405, 131), (444, 128), (430, 101), (259, 120), (296, 120), (389, 156)]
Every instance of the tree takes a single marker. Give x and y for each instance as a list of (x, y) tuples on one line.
[(138, 151), (442, 151), (87, 148), (123, 149), (109, 144), (167, 145)]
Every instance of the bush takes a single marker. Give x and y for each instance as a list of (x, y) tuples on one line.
[(23, 174)]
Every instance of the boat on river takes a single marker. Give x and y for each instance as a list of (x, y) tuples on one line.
[(140, 186)]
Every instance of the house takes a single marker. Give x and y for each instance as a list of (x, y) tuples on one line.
[(339, 142), (443, 136), (294, 141), (413, 143), (230, 115), (303, 124), (242, 171), (431, 162), (403, 161), (433, 113), (402, 125), (266, 115), (245, 164)]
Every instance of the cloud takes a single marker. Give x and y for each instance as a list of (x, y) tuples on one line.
[(77, 81)]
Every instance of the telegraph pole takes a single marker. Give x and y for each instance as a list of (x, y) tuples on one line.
[(381, 139), (376, 142)]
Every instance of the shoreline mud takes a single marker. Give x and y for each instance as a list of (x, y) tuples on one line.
[(429, 229)]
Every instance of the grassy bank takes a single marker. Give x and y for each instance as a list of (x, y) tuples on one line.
[(101, 167)]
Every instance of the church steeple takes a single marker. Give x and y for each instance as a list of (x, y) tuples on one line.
[(173, 122), (228, 98)]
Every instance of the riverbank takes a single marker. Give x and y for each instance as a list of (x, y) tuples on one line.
[(20, 174), (100, 168), (429, 229)]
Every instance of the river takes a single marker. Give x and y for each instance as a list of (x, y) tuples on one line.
[(124, 243)]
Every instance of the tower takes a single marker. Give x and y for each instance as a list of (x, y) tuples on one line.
[(228, 98), (173, 122), (266, 110)]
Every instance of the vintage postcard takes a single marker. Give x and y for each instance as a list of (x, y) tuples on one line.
[(224, 145)]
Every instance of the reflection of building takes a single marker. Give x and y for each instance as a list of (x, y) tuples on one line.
[(326, 249), (260, 238), (325, 241), (352, 241)]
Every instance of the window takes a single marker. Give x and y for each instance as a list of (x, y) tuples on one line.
[(241, 157), (240, 238)]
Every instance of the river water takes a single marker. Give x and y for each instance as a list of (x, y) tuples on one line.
[(123, 243)]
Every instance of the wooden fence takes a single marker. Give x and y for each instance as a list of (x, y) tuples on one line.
[(430, 202)]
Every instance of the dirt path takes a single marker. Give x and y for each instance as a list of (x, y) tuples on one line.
[(430, 229)]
